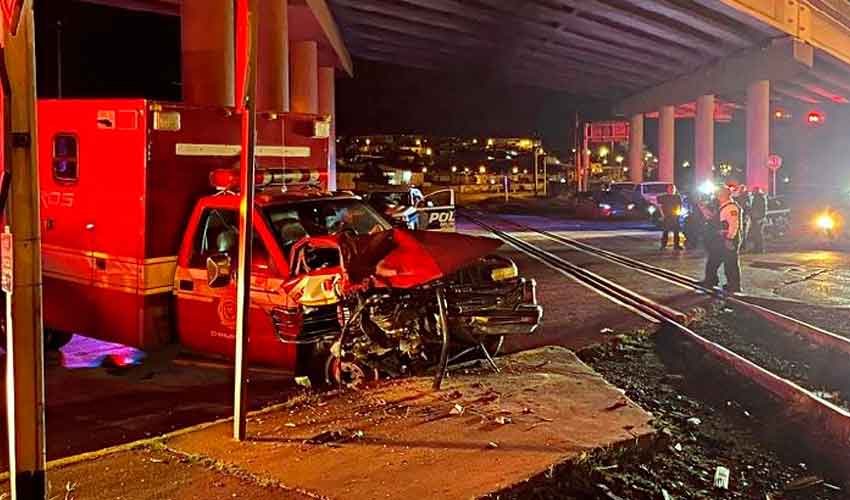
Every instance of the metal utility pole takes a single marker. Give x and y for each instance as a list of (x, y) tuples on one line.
[(536, 166), (247, 28), (24, 338)]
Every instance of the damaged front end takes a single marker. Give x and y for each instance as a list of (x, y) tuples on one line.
[(412, 300)]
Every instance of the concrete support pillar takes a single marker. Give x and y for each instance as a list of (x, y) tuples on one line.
[(273, 48), (666, 143), (636, 149), (208, 49), (758, 133), (305, 77), (704, 139), (327, 107)]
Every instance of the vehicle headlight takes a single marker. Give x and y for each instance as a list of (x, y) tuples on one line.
[(631, 206), (504, 273), (825, 221), (605, 206)]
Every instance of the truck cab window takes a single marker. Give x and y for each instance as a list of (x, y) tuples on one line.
[(218, 232), (65, 158)]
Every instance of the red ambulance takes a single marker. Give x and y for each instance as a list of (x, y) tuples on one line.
[(140, 224)]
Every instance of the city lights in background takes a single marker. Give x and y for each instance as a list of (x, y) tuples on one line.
[(482, 169), (781, 114), (707, 188), (424, 170), (619, 159), (454, 169), (686, 164), (603, 151), (515, 170)]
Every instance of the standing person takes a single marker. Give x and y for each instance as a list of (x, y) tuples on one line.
[(742, 198), (723, 243), (671, 206), (758, 215)]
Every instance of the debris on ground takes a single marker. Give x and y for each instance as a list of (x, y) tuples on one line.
[(699, 431)]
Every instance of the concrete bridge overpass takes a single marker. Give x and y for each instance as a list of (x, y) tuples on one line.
[(667, 58)]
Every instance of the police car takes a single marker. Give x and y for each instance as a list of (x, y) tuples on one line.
[(408, 206)]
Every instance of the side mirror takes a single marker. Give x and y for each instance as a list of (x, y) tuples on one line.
[(218, 270)]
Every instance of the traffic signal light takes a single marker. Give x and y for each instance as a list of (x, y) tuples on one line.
[(815, 118)]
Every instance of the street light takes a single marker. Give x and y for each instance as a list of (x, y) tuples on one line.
[(482, 169), (619, 159), (424, 170), (515, 170), (603, 151), (686, 164), (454, 169)]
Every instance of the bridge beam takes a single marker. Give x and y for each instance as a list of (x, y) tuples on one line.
[(782, 59)]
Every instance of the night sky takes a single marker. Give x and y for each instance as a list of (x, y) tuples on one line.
[(108, 52)]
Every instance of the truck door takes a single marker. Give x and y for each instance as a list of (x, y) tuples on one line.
[(437, 211), (206, 316)]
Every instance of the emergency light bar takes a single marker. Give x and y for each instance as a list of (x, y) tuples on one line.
[(226, 179)]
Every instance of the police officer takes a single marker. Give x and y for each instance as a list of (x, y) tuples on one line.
[(723, 242), (758, 215), (742, 198), (671, 207)]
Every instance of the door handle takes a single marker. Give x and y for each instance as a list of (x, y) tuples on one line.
[(187, 285)]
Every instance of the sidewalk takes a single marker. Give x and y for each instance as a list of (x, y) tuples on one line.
[(481, 434)]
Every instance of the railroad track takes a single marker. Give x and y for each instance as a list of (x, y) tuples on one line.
[(823, 421)]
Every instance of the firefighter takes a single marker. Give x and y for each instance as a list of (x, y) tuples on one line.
[(671, 207), (758, 216), (723, 241)]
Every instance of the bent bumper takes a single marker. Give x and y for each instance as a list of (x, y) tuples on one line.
[(517, 314)]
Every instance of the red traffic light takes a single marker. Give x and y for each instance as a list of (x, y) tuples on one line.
[(815, 118)]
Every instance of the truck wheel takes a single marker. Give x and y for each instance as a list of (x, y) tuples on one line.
[(347, 373), (54, 339)]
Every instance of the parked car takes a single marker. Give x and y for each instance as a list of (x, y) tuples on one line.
[(407, 206), (646, 191), (605, 205)]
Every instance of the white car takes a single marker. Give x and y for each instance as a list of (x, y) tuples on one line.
[(649, 191)]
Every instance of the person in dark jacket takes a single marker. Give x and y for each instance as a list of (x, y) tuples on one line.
[(741, 197), (670, 205), (758, 216)]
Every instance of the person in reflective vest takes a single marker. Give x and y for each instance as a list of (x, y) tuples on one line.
[(723, 242)]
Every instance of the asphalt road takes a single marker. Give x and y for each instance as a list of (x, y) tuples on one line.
[(94, 402)]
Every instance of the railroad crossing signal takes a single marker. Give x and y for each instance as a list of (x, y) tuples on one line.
[(774, 162)]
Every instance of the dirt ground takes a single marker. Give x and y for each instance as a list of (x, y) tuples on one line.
[(705, 421)]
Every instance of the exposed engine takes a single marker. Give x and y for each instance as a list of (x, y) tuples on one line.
[(397, 332)]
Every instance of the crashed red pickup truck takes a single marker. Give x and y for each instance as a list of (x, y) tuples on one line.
[(139, 236)]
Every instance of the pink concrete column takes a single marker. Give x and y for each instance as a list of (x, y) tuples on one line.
[(636, 149), (758, 133), (305, 77), (327, 107), (273, 47), (704, 139), (666, 143), (208, 52)]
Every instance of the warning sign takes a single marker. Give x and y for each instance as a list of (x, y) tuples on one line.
[(11, 14), (6, 261)]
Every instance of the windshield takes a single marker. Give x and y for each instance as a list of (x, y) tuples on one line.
[(386, 198), (293, 221), (655, 188)]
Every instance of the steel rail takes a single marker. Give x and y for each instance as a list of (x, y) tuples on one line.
[(789, 324), (821, 418)]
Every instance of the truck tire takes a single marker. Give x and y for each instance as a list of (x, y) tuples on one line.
[(55, 340)]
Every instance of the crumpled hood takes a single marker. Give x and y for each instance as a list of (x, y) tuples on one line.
[(400, 258)]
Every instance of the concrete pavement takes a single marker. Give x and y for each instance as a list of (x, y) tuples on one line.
[(483, 433)]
